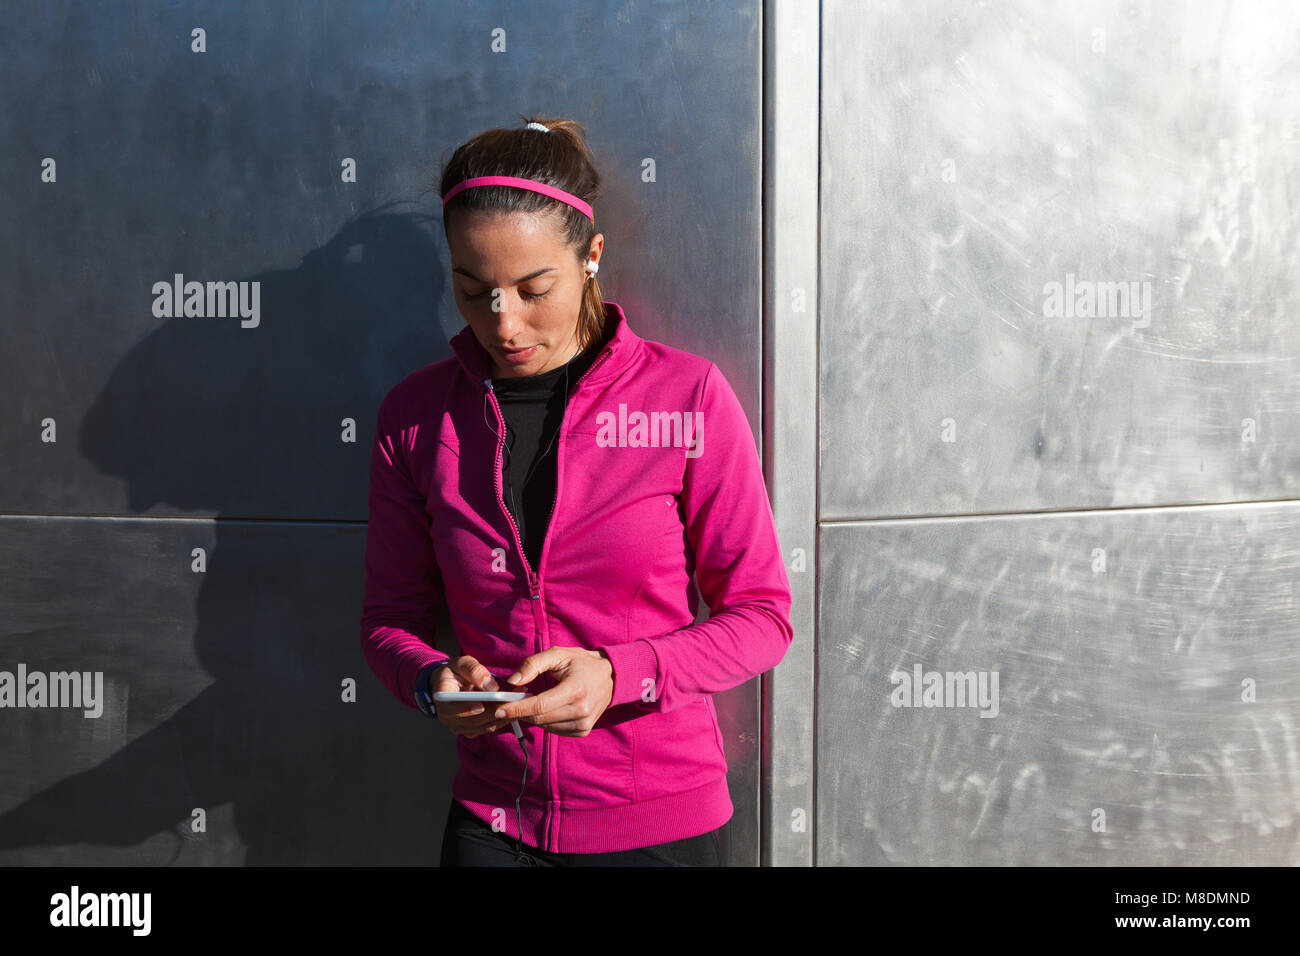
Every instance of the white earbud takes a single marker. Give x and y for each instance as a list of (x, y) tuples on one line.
[(592, 267)]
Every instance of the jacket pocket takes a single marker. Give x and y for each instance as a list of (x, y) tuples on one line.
[(678, 751), (596, 770), (497, 759)]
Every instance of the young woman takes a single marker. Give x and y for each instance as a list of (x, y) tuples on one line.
[(556, 482)]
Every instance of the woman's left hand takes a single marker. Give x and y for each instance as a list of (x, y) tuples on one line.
[(570, 708)]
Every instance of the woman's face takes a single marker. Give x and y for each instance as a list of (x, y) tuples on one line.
[(520, 262)]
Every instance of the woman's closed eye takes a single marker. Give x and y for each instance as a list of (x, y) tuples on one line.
[(527, 295)]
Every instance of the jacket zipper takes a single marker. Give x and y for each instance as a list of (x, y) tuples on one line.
[(534, 578)]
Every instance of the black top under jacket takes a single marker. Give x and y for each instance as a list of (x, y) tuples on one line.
[(533, 407)]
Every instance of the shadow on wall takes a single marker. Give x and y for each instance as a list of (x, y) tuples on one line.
[(199, 418)]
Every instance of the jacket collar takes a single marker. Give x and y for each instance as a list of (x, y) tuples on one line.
[(617, 354)]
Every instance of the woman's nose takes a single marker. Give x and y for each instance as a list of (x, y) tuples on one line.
[(508, 318)]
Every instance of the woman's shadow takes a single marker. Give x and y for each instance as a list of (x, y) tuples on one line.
[(246, 423)]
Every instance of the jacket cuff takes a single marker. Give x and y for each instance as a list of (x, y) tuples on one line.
[(634, 664), (421, 680)]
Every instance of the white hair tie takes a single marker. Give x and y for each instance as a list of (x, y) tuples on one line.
[(544, 129)]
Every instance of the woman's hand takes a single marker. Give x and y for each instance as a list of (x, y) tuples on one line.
[(466, 718), (570, 708)]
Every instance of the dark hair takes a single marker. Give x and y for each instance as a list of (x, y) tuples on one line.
[(558, 158)]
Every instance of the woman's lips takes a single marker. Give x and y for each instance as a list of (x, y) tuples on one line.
[(518, 356)]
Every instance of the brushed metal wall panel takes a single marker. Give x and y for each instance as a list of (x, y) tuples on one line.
[(972, 156), (221, 691), (225, 165), (790, 427), (1119, 690)]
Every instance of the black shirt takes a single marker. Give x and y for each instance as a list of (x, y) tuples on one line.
[(533, 407)]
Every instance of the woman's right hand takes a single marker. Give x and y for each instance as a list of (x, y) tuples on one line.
[(469, 718)]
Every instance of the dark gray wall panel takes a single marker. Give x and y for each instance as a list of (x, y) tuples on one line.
[(1119, 690), (225, 166), (969, 159), (222, 690)]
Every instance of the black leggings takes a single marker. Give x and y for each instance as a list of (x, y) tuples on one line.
[(468, 841)]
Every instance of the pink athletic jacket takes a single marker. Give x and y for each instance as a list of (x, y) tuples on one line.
[(657, 477)]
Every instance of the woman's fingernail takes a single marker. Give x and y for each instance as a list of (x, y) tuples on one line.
[(499, 714)]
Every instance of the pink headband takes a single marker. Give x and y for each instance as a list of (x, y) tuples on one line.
[(517, 182)]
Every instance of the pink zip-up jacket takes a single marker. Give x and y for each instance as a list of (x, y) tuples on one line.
[(657, 477)]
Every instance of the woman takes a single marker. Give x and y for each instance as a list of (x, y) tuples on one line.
[(556, 482)]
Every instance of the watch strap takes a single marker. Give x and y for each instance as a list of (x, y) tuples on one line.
[(424, 699)]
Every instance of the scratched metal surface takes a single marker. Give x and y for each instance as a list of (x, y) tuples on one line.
[(225, 165), (1120, 690), (971, 156)]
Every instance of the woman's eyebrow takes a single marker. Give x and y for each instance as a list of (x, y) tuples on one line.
[(531, 275)]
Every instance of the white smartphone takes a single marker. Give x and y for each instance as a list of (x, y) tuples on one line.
[(471, 696)]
